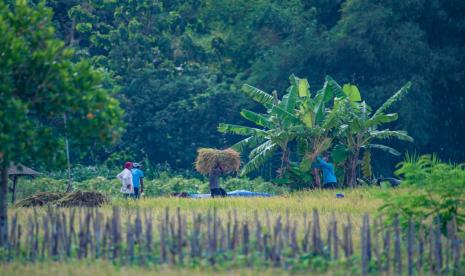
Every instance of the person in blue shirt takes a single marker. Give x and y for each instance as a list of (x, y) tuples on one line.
[(137, 179), (329, 178)]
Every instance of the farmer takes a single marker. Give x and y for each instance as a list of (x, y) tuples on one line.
[(329, 178), (125, 177), (214, 179), (137, 179)]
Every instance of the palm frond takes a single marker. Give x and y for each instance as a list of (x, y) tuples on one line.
[(258, 95), (396, 97)]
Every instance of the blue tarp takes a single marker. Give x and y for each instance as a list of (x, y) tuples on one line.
[(236, 193)]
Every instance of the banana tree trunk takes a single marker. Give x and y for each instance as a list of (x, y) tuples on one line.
[(351, 169), (284, 162), (317, 179)]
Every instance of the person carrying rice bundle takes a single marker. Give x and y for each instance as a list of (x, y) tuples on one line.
[(214, 163)]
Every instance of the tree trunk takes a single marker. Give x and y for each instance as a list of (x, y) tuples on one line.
[(351, 173), (4, 206), (284, 163), (316, 177)]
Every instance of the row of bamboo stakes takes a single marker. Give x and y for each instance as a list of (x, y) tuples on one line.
[(172, 238)]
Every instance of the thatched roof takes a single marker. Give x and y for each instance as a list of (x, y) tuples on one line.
[(19, 169)]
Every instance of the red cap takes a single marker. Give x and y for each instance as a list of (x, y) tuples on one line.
[(127, 165)]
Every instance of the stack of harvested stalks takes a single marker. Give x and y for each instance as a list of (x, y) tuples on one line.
[(39, 199), (74, 199), (208, 159), (83, 199)]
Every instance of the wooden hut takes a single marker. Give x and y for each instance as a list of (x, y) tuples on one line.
[(15, 171)]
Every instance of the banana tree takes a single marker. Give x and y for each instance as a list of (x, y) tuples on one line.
[(362, 127), (272, 131), (298, 117), (321, 117)]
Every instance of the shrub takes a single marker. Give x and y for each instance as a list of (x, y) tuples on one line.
[(163, 185), (435, 190), (27, 187)]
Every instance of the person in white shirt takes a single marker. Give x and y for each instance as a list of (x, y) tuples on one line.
[(127, 187)]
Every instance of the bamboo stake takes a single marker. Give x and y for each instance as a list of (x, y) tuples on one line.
[(397, 248)]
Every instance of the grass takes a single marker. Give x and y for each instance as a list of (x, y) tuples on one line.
[(355, 203), (103, 268)]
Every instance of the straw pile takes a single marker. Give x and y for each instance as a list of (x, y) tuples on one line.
[(39, 199), (78, 198), (83, 199), (207, 159)]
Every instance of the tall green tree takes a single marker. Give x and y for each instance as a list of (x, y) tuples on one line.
[(39, 85)]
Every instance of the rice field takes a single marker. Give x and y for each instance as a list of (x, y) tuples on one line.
[(163, 235), (103, 268)]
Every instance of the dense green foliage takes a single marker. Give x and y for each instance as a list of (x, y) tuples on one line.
[(45, 97), (164, 185), (436, 190), (304, 124), (40, 84), (178, 64)]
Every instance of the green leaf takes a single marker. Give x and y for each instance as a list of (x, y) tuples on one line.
[(257, 119), (396, 97), (339, 153), (382, 147), (319, 108), (256, 151), (328, 92), (307, 118), (284, 115), (352, 92), (388, 134), (249, 142), (260, 158), (335, 87), (258, 95), (381, 118), (291, 100), (241, 130), (304, 88), (305, 165)]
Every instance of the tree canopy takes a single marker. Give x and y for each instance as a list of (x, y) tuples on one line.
[(40, 87), (178, 66)]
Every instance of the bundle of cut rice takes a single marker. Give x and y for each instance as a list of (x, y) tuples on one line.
[(207, 159)]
